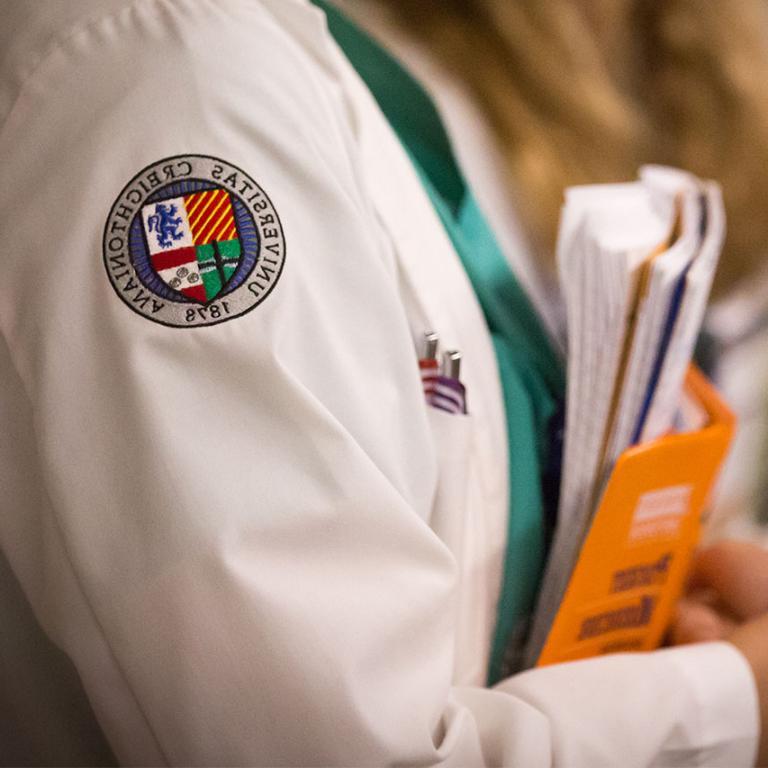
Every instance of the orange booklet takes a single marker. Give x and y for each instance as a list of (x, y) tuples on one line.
[(635, 559)]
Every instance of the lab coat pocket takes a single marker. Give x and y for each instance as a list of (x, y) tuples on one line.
[(453, 521), (451, 433)]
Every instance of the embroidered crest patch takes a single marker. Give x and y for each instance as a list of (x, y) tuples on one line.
[(193, 240)]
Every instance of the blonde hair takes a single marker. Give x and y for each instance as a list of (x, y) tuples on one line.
[(582, 91)]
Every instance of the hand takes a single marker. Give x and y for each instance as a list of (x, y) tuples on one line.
[(728, 600), (728, 586)]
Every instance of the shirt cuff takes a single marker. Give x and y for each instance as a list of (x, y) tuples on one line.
[(725, 719), (695, 705)]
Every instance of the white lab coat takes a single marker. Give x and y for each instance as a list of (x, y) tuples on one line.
[(477, 151), (254, 540)]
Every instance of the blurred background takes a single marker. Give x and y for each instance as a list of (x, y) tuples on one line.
[(539, 95)]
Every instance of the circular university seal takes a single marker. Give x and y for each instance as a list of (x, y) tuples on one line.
[(193, 240)]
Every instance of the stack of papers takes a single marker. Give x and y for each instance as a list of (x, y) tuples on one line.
[(636, 263)]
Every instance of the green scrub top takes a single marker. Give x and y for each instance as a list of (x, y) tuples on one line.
[(532, 375)]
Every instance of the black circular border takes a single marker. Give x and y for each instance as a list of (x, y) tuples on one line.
[(223, 319)]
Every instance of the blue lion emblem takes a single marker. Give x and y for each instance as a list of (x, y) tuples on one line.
[(166, 224)]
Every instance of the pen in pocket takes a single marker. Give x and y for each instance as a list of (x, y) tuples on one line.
[(441, 381), (428, 364), (449, 394)]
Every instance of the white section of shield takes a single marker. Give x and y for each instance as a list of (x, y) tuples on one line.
[(183, 276), (153, 218)]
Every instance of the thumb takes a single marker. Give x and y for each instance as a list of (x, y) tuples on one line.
[(737, 571), (696, 622)]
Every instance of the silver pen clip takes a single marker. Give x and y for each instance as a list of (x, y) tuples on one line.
[(431, 341), (451, 367)]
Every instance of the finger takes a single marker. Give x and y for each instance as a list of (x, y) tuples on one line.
[(698, 623), (738, 572)]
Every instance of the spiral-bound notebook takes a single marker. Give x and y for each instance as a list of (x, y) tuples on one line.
[(636, 263)]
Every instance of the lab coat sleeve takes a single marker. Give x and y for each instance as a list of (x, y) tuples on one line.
[(237, 514), (692, 705)]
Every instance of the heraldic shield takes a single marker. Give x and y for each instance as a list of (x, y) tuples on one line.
[(193, 242)]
